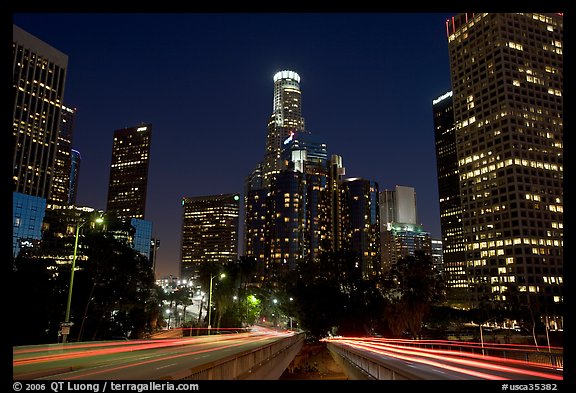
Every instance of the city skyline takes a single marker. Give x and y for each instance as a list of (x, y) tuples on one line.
[(209, 136)]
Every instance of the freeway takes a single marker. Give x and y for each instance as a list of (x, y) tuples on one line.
[(418, 359), (153, 359)]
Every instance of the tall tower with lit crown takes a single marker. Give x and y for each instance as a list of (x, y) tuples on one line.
[(286, 118)]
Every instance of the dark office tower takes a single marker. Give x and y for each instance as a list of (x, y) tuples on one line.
[(75, 161), (286, 229), (454, 262), (286, 118), (506, 73), (62, 166), (129, 171), (209, 231), (38, 88), (362, 231), (255, 218), (305, 154), (337, 216)]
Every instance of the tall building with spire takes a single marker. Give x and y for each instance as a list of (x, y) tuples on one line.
[(507, 91), (297, 204)]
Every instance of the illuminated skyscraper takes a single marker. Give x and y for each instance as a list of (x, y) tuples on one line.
[(297, 204), (38, 88), (507, 83), (129, 172), (209, 231), (286, 118), (336, 215), (63, 164)]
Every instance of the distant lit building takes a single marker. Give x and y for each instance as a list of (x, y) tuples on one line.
[(75, 161), (209, 231), (285, 226), (63, 163), (398, 205), (27, 216), (59, 231), (507, 83), (401, 233), (306, 154), (255, 220), (437, 255), (337, 215), (129, 172), (39, 75)]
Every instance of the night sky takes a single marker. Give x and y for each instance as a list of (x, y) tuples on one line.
[(204, 81)]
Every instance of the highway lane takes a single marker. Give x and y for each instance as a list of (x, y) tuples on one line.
[(430, 364), (133, 360)]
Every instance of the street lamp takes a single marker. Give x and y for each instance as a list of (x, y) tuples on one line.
[(210, 301), (481, 335), (66, 324)]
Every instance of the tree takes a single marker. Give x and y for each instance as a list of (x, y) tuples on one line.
[(116, 285), (330, 295), (41, 286), (412, 286)]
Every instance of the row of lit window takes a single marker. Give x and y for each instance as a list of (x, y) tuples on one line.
[(515, 161), (552, 48), (514, 241), (123, 164), (553, 279), (465, 28)]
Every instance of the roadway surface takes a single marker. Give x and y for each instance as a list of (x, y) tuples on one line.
[(452, 363), (153, 359)]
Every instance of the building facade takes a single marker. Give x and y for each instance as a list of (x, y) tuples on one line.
[(75, 161), (39, 72), (400, 232), (27, 217), (361, 226), (507, 84), (128, 182), (63, 165), (142, 240), (454, 262), (209, 231), (438, 256)]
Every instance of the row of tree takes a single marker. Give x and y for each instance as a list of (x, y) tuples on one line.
[(115, 295)]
